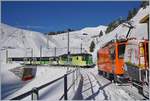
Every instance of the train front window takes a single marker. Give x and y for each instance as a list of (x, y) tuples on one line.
[(121, 50), (112, 53)]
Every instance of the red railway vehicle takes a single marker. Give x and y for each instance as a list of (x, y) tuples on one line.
[(28, 73), (111, 60)]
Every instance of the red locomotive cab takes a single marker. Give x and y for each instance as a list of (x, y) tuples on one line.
[(28, 73), (120, 50), (104, 61), (111, 59)]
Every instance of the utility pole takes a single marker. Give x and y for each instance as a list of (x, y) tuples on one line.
[(116, 37), (81, 47), (68, 41), (68, 47), (47, 40), (40, 53), (6, 55), (55, 51), (31, 55), (68, 55), (32, 52)]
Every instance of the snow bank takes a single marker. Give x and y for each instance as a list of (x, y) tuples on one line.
[(44, 75)]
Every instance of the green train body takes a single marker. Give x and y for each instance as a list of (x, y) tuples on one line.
[(81, 60)]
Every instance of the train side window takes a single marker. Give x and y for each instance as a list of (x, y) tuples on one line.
[(112, 53), (121, 50), (97, 55), (77, 57), (70, 59), (83, 58)]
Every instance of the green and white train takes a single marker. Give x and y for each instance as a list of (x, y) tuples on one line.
[(75, 60)]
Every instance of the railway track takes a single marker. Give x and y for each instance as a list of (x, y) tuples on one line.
[(101, 87), (130, 90), (96, 87), (134, 94), (92, 89)]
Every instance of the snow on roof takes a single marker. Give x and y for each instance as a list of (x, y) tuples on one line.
[(145, 19)]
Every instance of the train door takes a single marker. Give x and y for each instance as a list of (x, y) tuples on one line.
[(120, 70), (113, 57), (120, 51)]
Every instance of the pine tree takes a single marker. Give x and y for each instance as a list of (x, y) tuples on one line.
[(92, 46), (144, 4), (114, 24), (134, 11), (129, 15), (101, 33)]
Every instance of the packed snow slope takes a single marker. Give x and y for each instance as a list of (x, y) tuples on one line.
[(139, 31)]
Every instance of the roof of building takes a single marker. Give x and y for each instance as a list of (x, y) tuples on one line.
[(145, 19)]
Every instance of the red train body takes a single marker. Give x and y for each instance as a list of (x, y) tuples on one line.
[(111, 58)]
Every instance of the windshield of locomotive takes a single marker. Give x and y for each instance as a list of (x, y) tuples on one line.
[(121, 50)]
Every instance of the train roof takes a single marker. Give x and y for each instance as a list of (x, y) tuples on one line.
[(112, 41), (34, 57), (77, 54)]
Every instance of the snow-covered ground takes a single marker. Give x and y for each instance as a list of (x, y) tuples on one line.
[(44, 75), (92, 86), (9, 82), (96, 87)]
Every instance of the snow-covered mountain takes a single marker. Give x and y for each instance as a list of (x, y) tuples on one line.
[(139, 31), (20, 42), (77, 38)]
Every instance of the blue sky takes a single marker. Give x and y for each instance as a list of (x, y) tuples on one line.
[(57, 16)]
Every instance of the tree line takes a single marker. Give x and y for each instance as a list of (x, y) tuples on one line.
[(120, 20)]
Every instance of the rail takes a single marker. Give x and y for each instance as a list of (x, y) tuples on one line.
[(34, 92)]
